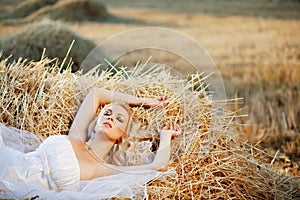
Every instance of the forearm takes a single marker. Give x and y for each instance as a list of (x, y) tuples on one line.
[(103, 96), (163, 153)]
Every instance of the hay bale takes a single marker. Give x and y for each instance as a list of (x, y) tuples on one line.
[(55, 37), (25, 8), (211, 161), (63, 10), (73, 10)]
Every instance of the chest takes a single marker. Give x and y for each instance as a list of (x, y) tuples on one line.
[(90, 168)]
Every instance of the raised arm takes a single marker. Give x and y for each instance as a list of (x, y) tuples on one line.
[(95, 98)]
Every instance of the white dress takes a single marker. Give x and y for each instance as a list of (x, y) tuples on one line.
[(52, 166), (52, 172)]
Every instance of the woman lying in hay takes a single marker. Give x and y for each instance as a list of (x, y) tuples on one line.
[(61, 161), (96, 159), (207, 161)]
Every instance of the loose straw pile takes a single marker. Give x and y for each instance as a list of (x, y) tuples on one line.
[(211, 162)]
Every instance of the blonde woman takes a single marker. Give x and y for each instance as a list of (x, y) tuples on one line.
[(61, 162)]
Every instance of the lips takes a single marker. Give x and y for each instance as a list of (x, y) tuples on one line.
[(107, 124)]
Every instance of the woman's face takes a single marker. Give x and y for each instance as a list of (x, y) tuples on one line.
[(113, 121)]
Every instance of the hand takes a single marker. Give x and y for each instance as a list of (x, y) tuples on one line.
[(172, 128), (162, 101)]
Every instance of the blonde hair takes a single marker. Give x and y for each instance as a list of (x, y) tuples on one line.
[(135, 148), (126, 152)]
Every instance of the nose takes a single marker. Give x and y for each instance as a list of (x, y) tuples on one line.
[(110, 118)]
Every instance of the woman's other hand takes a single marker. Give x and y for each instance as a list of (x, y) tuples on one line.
[(161, 101)]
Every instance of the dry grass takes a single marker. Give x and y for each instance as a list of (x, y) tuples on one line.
[(272, 101), (210, 160), (231, 169), (33, 92)]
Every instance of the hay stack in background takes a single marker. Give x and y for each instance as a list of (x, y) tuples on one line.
[(53, 36), (211, 162), (25, 8), (72, 10), (63, 10)]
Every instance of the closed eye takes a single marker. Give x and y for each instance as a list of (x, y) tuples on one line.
[(120, 119)]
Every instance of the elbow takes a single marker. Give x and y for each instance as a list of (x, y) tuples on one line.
[(159, 165), (98, 92)]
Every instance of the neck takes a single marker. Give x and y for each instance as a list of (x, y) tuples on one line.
[(100, 146)]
